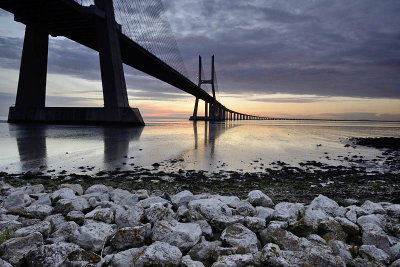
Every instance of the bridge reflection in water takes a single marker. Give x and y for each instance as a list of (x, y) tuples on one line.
[(48, 147)]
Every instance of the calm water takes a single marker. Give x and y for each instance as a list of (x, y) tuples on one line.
[(248, 146)]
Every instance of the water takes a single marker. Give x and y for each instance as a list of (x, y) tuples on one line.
[(245, 146)]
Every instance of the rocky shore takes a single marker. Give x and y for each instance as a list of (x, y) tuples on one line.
[(104, 226)]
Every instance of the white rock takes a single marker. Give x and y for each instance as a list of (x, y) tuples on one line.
[(76, 216), (314, 217), (186, 261), (236, 260), (3, 263), (159, 254), (103, 215), (290, 212), (210, 208), (205, 228), (142, 194), (316, 239), (92, 236), (395, 263), (348, 226), (372, 252), (393, 210), (118, 194), (219, 223), (341, 249), (395, 252), (43, 200), (255, 224), (271, 255), (124, 258), (243, 208), (55, 220), (182, 198), (77, 188), (43, 227), (130, 217), (63, 233), (17, 200), (63, 193), (202, 251), (239, 236), (38, 211), (373, 208), (98, 188), (324, 203), (131, 237), (181, 235), (66, 205), (377, 238), (32, 189), (258, 198), (264, 213), (50, 255), (354, 212), (129, 201), (370, 222), (157, 212), (284, 239), (146, 203), (14, 249)]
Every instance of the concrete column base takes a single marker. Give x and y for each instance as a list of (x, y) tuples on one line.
[(72, 115)]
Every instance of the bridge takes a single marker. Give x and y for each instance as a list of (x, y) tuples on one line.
[(111, 28)]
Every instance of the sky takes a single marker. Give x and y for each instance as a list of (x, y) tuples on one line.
[(293, 58)]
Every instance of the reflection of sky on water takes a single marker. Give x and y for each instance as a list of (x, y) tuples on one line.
[(248, 146)]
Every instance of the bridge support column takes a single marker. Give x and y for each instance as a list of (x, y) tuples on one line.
[(33, 71), (196, 105), (206, 110)]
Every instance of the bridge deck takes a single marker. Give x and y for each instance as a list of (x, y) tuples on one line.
[(78, 23)]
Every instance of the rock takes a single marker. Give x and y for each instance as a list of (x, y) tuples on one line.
[(314, 217), (103, 215), (290, 212), (181, 235), (393, 210), (186, 261), (373, 253), (377, 238), (244, 208), (348, 226), (130, 217), (81, 257), (98, 188), (271, 255), (55, 220), (43, 200), (354, 212), (258, 198), (264, 213), (17, 200), (255, 224), (321, 257), (210, 208), (341, 249), (38, 211), (142, 194), (219, 223), (182, 198), (332, 230), (159, 254), (131, 237), (373, 208), (77, 188), (325, 204), (395, 263), (124, 258), (63, 233), (157, 212), (205, 228), (370, 222), (118, 194), (96, 199), (76, 216), (300, 228), (10, 225), (64, 206), (202, 251), (27, 221), (42, 227), (279, 224), (129, 201), (32, 189), (146, 203), (237, 260), (316, 239), (50, 255), (14, 249), (3, 263), (284, 239), (237, 235), (92, 236), (349, 201), (395, 252), (63, 193)]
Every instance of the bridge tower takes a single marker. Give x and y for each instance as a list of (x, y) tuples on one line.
[(31, 92), (211, 111)]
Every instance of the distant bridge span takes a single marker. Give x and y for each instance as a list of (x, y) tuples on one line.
[(94, 27)]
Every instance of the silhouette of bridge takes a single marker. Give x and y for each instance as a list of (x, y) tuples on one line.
[(133, 32)]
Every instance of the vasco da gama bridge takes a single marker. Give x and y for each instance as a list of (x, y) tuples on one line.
[(134, 32)]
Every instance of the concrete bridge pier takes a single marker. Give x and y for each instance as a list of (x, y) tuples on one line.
[(31, 93)]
